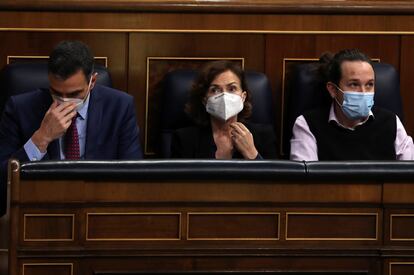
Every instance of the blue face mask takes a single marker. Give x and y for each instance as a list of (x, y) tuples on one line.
[(356, 105)]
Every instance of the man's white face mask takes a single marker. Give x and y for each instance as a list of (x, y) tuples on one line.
[(224, 105), (78, 101)]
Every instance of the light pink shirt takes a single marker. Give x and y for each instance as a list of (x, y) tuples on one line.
[(303, 143)]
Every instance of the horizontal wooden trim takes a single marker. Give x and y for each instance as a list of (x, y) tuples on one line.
[(223, 6), (210, 23), (209, 31), (17, 58)]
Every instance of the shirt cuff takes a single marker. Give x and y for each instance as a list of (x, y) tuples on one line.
[(33, 153)]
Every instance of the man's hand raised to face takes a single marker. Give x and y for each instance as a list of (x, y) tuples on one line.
[(54, 124)]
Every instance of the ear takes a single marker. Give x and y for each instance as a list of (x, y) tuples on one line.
[(243, 96), (331, 89), (94, 77)]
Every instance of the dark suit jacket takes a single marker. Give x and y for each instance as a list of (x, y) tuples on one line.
[(198, 142), (112, 130)]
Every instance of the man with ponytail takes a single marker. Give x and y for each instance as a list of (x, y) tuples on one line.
[(351, 127)]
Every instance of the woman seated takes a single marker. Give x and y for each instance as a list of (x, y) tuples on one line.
[(220, 106)]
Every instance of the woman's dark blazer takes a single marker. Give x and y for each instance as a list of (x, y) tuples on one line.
[(197, 142)]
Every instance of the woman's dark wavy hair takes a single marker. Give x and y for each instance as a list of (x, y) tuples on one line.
[(195, 107)]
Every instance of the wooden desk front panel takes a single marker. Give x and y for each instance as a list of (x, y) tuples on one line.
[(208, 264), (203, 226), (182, 226), (243, 239)]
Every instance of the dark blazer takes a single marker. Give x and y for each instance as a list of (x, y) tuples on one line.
[(112, 130), (198, 142)]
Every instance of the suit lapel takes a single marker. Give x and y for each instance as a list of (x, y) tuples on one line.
[(93, 125)]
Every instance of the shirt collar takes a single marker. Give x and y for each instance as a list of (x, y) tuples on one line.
[(83, 112), (332, 117)]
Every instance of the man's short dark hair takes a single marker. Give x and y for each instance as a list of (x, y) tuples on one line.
[(68, 57)]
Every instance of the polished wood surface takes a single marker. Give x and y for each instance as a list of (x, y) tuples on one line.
[(233, 226), (321, 226), (209, 22), (123, 226), (133, 226), (4, 257), (51, 226), (248, 6)]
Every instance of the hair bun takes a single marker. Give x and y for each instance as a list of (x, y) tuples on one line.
[(326, 58)]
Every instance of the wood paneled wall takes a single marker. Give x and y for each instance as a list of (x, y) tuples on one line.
[(262, 40)]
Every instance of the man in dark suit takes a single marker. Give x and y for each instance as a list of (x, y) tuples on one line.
[(74, 119)]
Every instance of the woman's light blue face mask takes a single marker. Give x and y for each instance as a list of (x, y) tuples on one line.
[(356, 105)]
